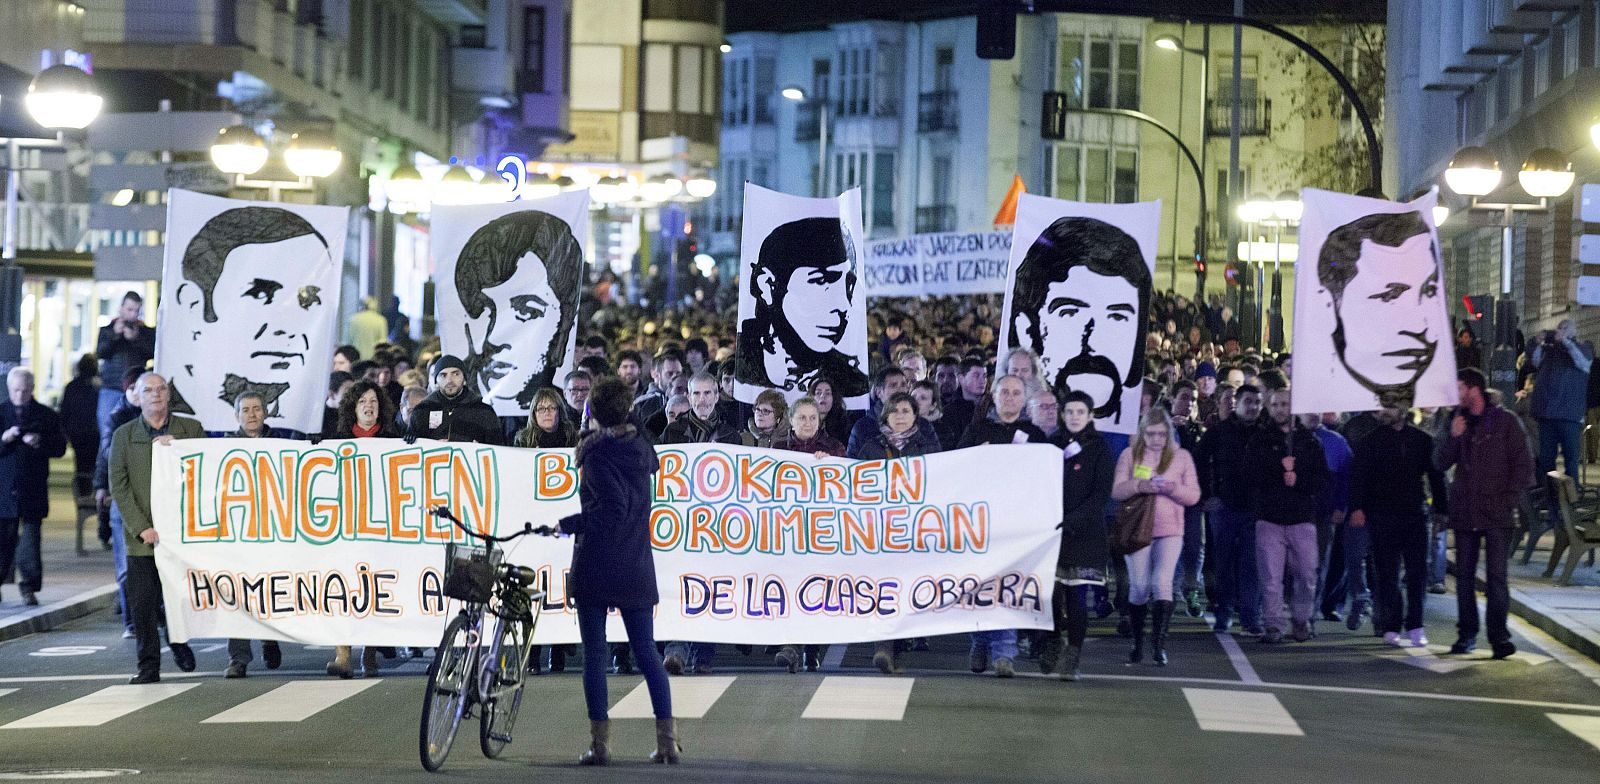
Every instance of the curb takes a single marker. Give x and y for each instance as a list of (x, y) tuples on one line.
[(1547, 619), (43, 619)]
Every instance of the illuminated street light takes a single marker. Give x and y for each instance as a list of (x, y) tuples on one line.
[(63, 97), (239, 150), (1473, 172), (1546, 174), (312, 153)]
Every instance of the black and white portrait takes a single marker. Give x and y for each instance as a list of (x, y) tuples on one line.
[(1078, 298), (802, 309), (508, 294), (1377, 308), (250, 294)]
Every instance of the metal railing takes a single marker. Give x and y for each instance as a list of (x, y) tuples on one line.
[(937, 111)]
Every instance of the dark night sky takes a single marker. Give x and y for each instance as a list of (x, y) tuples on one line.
[(814, 14)]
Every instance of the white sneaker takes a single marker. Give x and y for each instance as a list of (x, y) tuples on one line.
[(1419, 637), (1392, 638)]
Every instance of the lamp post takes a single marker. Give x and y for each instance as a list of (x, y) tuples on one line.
[(1474, 172), (60, 98), (1253, 212), (799, 96), (1172, 43), (240, 152)]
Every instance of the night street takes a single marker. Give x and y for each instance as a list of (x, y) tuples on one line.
[(1303, 712)]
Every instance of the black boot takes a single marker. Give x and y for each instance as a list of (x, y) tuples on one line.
[(1050, 652), (1136, 613), (1160, 620)]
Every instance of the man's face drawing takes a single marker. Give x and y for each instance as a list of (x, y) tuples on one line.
[(256, 297), (816, 303), (1092, 320), (1389, 312), (523, 311)]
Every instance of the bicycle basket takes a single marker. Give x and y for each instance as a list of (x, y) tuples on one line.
[(469, 572)]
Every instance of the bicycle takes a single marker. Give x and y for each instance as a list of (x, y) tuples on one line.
[(464, 674)]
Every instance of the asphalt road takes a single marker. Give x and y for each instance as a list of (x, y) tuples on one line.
[(1341, 707)]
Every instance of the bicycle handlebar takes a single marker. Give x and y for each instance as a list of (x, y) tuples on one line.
[(527, 528)]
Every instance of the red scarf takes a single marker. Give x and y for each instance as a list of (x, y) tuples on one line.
[(365, 432)]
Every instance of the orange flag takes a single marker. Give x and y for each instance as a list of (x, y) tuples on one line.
[(1007, 214)]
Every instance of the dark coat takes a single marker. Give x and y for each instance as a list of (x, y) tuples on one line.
[(25, 470), (821, 442), (80, 402), (118, 353), (1085, 491), (534, 437), (1272, 500), (462, 418), (1493, 469), (874, 447), (991, 431), (691, 429), (1219, 462), (867, 428), (612, 562)]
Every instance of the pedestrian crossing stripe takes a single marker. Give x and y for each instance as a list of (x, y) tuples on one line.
[(1585, 727), (293, 701), (691, 698), (1226, 710), (860, 698), (4, 692), (110, 703)]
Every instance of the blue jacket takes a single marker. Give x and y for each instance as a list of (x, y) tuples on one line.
[(1561, 389), (1336, 495)]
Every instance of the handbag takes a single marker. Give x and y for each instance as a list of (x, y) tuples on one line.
[(1134, 527)]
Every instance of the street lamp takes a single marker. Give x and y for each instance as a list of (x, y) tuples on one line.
[(63, 97), (661, 188), (456, 187), (312, 153), (1546, 174), (406, 189), (700, 186), (1474, 172), (239, 150), (799, 96)]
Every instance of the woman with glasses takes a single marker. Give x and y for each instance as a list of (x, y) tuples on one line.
[(805, 436), (768, 420), (547, 430)]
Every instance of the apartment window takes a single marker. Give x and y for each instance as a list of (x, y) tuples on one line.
[(1127, 79), (408, 49), (820, 72), (1100, 73), (765, 86), (732, 90), (883, 190), (1541, 68), (855, 82), (533, 48), (1125, 177), (1096, 174), (428, 50), (944, 66), (474, 37), (1571, 46), (1071, 73)]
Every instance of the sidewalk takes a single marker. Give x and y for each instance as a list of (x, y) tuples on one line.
[(1569, 613), (74, 585)]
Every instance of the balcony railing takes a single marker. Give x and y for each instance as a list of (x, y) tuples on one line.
[(807, 121), (936, 112), (936, 217), (1255, 119)]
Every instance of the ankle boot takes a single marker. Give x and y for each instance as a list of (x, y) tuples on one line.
[(1069, 663), (369, 662), (599, 736), (340, 666), (1136, 614), (1160, 621), (1049, 652), (667, 747)]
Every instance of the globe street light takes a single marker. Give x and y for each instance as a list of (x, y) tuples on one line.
[(63, 97), (239, 150), (1473, 172), (700, 186), (406, 189), (312, 153), (1546, 174)]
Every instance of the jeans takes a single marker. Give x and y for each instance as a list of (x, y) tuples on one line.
[(1002, 643), (1292, 547), (1071, 610), (1330, 566), (1150, 570), (1436, 566), (1357, 545), (110, 399), (1562, 433), (22, 552), (119, 553), (1398, 539), (1495, 545), (641, 638), (1237, 586), (693, 654), (1191, 562)]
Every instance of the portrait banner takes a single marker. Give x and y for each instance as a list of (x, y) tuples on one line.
[(938, 264), (802, 308), (1078, 295), (249, 302), (1371, 326), (507, 279), (330, 543)]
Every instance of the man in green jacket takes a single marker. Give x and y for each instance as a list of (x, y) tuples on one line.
[(130, 486)]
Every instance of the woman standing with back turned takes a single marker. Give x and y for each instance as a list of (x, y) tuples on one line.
[(612, 565)]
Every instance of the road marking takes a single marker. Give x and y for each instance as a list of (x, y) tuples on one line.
[(1585, 727), (1558, 650), (102, 706), (212, 648), (87, 596), (4, 692), (68, 650), (834, 657), (293, 701), (860, 698), (691, 698), (1224, 710), (1236, 657)]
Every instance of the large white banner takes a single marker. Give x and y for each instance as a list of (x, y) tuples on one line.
[(508, 280), (329, 543), (1371, 326), (943, 263), (802, 308), (1078, 294), (249, 302)]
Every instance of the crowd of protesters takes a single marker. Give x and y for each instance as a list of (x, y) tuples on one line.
[(1267, 522)]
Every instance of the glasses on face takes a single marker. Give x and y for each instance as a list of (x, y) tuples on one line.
[(764, 411), (545, 409), (582, 390)]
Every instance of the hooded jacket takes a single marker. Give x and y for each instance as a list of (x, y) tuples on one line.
[(612, 562), (1273, 501)]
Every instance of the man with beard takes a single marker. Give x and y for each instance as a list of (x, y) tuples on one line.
[(803, 286), (1225, 493), (1382, 272), (517, 278), (453, 412), (240, 271), (1286, 470), (1081, 294)]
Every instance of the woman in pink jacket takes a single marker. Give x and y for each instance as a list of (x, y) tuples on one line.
[(1154, 465)]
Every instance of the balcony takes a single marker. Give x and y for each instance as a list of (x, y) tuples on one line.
[(937, 112), (936, 217), (807, 121), (1255, 119)]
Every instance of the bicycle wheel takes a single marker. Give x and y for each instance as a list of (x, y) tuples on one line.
[(450, 687), (503, 675)]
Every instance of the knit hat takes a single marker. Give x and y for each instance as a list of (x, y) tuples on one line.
[(447, 361), (1205, 370)]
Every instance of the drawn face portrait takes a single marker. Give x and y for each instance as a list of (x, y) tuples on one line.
[(523, 310), (817, 304), (1091, 320), (1389, 307)]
